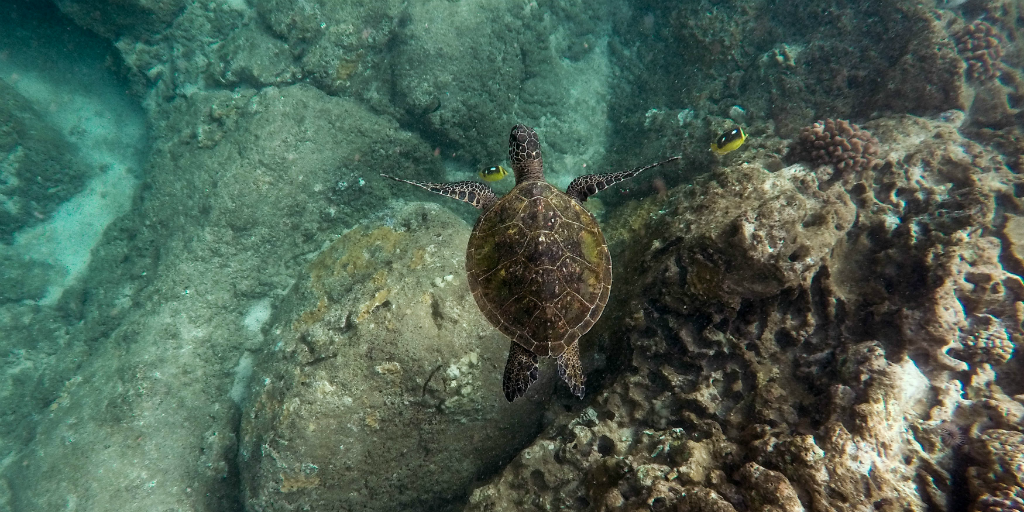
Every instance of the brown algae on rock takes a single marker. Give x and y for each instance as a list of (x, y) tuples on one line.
[(372, 378)]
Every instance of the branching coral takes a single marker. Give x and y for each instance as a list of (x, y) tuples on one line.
[(837, 142), (981, 48)]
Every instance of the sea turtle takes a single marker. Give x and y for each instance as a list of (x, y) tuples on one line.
[(537, 263)]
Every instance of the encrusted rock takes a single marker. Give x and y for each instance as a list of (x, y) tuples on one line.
[(792, 333), (702, 499), (384, 390), (1007, 499), (975, 312), (771, 489), (747, 234), (1001, 457), (39, 167)]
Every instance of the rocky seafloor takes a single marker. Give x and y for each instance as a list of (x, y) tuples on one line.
[(808, 340), (272, 326)]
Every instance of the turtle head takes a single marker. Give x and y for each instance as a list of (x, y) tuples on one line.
[(524, 152)]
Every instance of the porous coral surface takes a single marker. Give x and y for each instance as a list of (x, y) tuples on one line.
[(795, 347), (1004, 500)]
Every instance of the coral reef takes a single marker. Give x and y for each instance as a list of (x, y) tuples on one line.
[(991, 68), (784, 65), (981, 48), (778, 357), (780, 337), (839, 143)]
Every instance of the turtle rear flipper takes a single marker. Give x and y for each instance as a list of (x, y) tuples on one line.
[(585, 186), (571, 370), (477, 194), (520, 372)]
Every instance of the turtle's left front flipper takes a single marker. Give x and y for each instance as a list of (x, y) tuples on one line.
[(585, 186), (477, 194)]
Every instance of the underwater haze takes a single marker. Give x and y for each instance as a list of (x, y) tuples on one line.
[(511, 255)]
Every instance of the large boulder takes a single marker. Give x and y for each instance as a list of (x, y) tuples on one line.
[(128, 399), (383, 390)]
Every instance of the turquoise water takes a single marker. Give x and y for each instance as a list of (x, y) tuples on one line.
[(211, 300)]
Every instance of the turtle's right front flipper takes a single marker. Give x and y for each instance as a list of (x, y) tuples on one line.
[(477, 194), (585, 186)]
